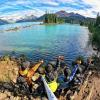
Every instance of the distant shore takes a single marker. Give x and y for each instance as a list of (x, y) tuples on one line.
[(16, 28)]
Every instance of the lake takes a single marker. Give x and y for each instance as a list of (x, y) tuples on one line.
[(45, 41)]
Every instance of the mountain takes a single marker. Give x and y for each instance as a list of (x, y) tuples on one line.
[(73, 18), (27, 19), (17, 18), (41, 18), (64, 14)]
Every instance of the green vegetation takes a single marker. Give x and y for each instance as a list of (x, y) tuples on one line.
[(81, 21), (52, 18), (94, 28)]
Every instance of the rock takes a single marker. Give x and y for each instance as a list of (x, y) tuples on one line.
[(11, 97), (38, 98), (90, 72), (9, 71), (7, 86), (7, 93), (35, 86), (3, 96), (24, 98), (16, 98), (7, 99), (44, 98)]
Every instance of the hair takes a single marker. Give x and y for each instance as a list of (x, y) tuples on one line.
[(49, 68), (41, 70), (23, 67)]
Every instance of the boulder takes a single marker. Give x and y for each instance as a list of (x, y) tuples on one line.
[(9, 71), (3, 96)]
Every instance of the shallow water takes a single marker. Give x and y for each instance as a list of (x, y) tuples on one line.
[(46, 41)]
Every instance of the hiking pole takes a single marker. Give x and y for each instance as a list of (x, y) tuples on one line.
[(50, 94)]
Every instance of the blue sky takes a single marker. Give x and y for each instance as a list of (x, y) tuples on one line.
[(87, 8)]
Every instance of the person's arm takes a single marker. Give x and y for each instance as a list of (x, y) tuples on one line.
[(34, 69)]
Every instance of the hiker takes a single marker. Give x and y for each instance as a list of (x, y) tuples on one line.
[(26, 73), (67, 76), (60, 66), (60, 61), (52, 82), (81, 64), (41, 70), (50, 73), (51, 77), (49, 89), (67, 73), (23, 71), (62, 69), (82, 67)]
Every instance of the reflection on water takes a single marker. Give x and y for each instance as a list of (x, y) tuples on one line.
[(46, 41)]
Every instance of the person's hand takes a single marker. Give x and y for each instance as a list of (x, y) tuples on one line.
[(61, 57), (41, 61)]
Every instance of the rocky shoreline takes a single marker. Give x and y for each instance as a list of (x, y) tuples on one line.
[(9, 73)]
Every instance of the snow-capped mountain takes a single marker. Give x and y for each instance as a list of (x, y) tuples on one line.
[(18, 18)]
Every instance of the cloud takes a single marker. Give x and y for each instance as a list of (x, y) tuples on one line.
[(51, 3), (95, 4), (20, 13), (38, 7)]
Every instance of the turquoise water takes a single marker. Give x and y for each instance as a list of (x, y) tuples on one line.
[(46, 41)]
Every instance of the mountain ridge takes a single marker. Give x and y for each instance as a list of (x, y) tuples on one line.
[(31, 17), (17, 19), (64, 14)]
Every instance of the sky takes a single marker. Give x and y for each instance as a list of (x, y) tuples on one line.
[(88, 8)]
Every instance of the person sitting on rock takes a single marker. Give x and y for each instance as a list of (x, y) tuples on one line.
[(27, 73), (60, 61), (51, 77), (49, 71), (23, 71), (67, 73), (51, 81), (61, 66), (80, 71)]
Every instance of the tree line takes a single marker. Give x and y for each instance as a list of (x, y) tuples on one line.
[(94, 28), (52, 18)]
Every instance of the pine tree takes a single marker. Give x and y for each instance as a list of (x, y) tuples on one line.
[(97, 20)]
